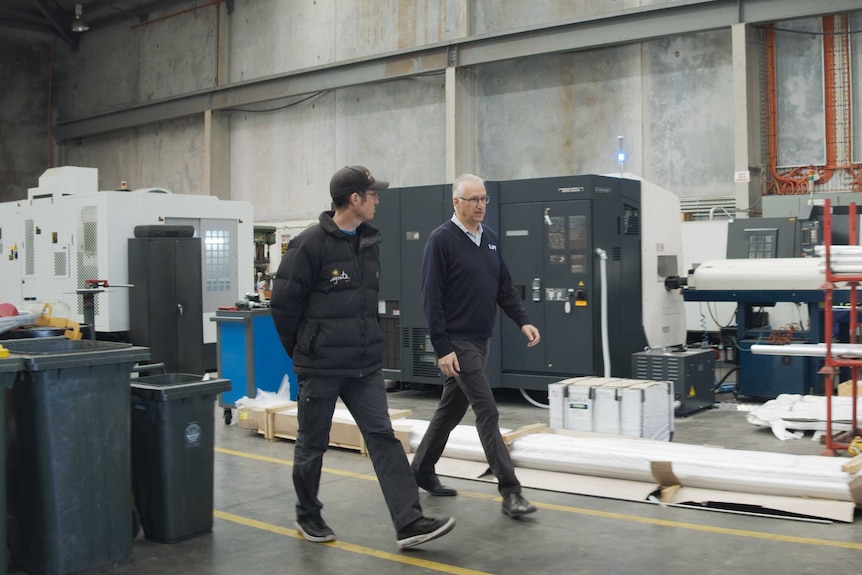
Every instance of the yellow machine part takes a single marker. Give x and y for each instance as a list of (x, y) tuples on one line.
[(47, 319)]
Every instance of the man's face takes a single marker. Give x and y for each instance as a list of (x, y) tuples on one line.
[(367, 204), (471, 212)]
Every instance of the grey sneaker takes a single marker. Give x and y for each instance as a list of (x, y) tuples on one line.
[(423, 530), (315, 529)]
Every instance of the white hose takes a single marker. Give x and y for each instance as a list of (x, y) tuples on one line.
[(603, 274), (532, 401)]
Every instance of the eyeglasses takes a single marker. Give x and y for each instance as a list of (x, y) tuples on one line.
[(372, 193), (474, 201)]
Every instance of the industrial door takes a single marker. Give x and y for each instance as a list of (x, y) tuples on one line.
[(547, 247)]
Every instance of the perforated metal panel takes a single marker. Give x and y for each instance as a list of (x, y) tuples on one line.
[(29, 248), (631, 221), (422, 351), (391, 349), (87, 252), (61, 264)]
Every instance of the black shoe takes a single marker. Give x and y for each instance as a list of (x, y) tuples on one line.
[(315, 529), (431, 483), (424, 529), (516, 505)]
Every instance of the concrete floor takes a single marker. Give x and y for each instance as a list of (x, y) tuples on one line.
[(254, 505)]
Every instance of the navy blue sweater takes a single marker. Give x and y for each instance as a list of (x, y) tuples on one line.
[(462, 283)]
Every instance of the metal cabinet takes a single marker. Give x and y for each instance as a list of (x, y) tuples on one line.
[(165, 302), (250, 355)]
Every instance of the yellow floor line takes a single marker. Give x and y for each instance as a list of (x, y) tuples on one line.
[(341, 472), (706, 528), (394, 557), (602, 514)]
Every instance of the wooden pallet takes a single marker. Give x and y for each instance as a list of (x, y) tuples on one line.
[(279, 422)]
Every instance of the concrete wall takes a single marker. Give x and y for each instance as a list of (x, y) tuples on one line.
[(670, 99), (24, 90), (282, 160), (169, 155)]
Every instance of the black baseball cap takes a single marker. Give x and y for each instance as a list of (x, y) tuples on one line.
[(351, 179)]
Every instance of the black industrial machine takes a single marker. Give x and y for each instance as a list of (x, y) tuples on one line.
[(554, 233), (406, 217), (784, 237), (758, 238), (692, 372)]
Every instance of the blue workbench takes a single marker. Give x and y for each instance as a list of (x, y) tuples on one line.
[(250, 355)]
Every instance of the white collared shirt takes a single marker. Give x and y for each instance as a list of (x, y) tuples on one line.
[(476, 238)]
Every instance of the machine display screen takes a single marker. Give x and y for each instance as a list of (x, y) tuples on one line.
[(762, 243)]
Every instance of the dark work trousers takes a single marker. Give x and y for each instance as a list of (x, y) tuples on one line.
[(365, 398), (469, 388)]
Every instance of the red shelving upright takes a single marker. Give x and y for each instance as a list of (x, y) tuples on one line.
[(832, 364)]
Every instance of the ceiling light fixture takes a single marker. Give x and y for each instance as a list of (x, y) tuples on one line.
[(78, 24)]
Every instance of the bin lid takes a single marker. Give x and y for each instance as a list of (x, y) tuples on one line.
[(42, 353), (172, 386), (10, 365)]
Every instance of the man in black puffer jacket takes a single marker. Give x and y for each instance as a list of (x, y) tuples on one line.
[(324, 305)]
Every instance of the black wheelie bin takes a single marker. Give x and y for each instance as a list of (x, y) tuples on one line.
[(69, 469), (9, 368), (173, 429)]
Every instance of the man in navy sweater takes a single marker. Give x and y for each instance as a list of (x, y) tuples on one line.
[(464, 278)]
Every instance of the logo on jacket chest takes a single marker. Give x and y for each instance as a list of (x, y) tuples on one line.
[(338, 276)]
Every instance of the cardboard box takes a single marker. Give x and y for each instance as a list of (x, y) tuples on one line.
[(281, 422), (253, 418), (344, 433), (402, 432), (845, 388), (612, 406), (646, 409), (556, 400), (578, 407), (607, 399)]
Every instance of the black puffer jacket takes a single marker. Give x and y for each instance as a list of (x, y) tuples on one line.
[(324, 301)]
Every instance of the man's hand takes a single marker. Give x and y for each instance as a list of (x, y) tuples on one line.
[(532, 334), (449, 365)]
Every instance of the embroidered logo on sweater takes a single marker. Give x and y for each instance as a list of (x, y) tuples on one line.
[(492, 247), (338, 276)]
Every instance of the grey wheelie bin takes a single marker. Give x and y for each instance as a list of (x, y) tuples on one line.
[(69, 480), (9, 368), (173, 429)]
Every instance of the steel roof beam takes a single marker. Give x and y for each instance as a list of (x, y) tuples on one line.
[(60, 24), (623, 27)]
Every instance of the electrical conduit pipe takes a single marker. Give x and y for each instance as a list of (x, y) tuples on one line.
[(603, 275)]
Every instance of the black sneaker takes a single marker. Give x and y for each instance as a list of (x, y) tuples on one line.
[(315, 529), (424, 529), (516, 505)]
